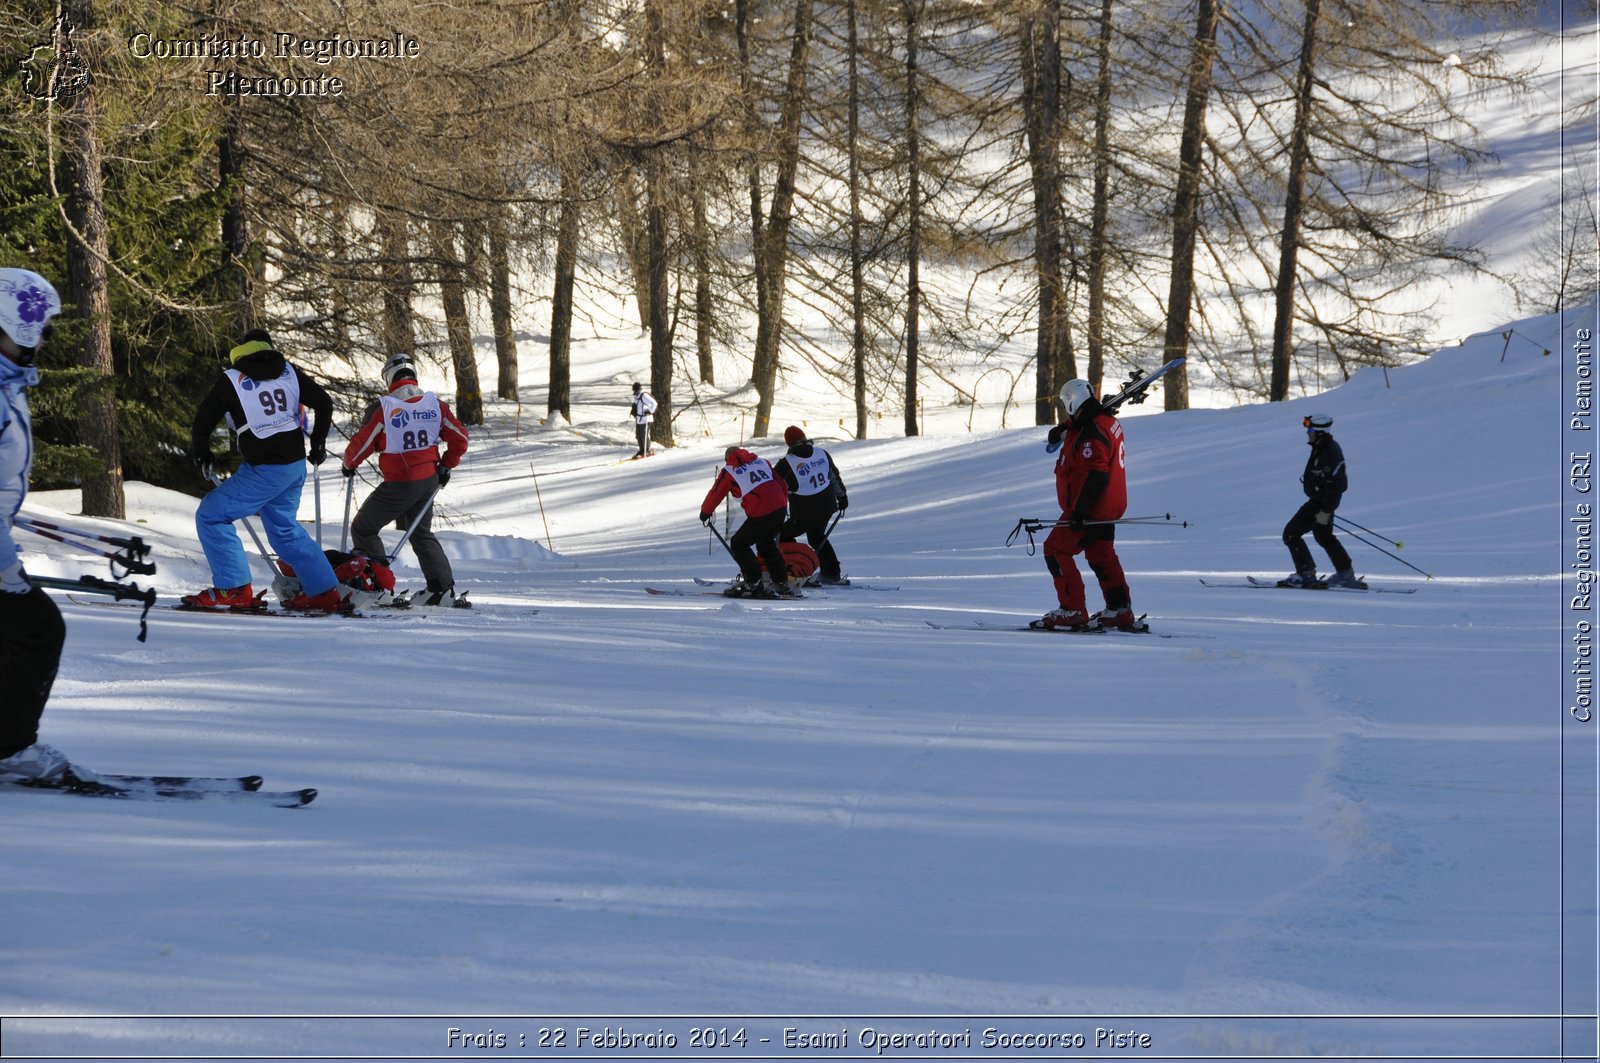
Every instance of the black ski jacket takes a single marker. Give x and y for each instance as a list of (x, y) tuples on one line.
[(837, 500), (1324, 479), (283, 448)]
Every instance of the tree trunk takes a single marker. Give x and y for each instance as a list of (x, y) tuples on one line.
[(773, 251), (656, 245), (87, 287), (1293, 200), (634, 241), (560, 398), (236, 273), (458, 326), (1100, 215), (1042, 60), (1186, 204), (913, 216), (399, 334), (704, 308), (505, 333), (747, 87), (858, 333)]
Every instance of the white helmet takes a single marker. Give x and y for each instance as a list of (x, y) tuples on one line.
[(27, 303), (398, 365), (1074, 393)]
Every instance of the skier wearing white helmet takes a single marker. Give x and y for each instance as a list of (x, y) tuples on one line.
[(31, 628), (1092, 488), (1324, 481)]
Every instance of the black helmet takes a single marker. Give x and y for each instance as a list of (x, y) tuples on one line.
[(637, 387)]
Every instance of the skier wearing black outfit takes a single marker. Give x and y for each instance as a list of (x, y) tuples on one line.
[(816, 492), (1325, 482)]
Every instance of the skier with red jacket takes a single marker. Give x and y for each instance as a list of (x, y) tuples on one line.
[(1092, 488), (766, 503), (405, 428)]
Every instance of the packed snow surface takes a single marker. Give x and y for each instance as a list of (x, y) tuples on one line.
[(580, 799)]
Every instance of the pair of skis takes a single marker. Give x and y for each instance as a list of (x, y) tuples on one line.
[(1257, 583), (1140, 627), (244, 789)]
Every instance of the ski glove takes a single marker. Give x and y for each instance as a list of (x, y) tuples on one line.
[(318, 454), (1075, 522), (844, 503), (444, 476), (206, 464), (705, 518), (1056, 432), (348, 471), (14, 581)]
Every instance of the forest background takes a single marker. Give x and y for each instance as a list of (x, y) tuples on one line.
[(1042, 189)]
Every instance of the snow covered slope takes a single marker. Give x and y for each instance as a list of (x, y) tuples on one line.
[(580, 799)]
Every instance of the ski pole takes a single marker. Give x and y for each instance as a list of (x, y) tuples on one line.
[(117, 591), (423, 512), (1381, 550), (832, 524), (723, 541), (316, 500), (1345, 520), (130, 555), (540, 496), (349, 496)]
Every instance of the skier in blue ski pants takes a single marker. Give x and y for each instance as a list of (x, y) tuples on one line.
[(274, 492)]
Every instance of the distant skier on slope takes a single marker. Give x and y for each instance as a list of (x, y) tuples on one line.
[(643, 410), (261, 394), (405, 428), (31, 629), (816, 492), (766, 502), (1324, 482), (1092, 489)]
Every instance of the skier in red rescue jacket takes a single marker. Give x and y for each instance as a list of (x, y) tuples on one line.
[(766, 503), (1092, 487)]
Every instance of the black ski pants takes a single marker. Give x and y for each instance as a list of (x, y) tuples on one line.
[(809, 516), (31, 635), (1316, 518), (402, 500), (643, 432), (761, 533)]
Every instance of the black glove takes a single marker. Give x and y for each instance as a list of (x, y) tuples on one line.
[(347, 470), (705, 518), (444, 476), (206, 464), (1056, 432), (1075, 522), (844, 503), (318, 454)]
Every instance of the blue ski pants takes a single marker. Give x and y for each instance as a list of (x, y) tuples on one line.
[(274, 492)]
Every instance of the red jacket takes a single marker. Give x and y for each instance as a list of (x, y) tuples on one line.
[(410, 464), (1093, 454), (765, 494)]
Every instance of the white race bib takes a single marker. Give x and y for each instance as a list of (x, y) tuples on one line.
[(814, 474), (410, 425), (270, 406)]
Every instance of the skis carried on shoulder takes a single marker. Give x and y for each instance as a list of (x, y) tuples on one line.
[(1133, 393), (244, 789)]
